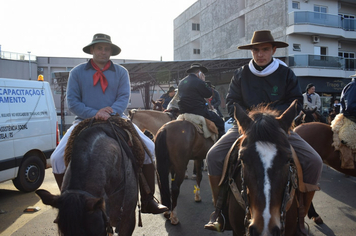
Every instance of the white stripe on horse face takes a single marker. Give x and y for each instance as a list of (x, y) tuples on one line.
[(267, 152)]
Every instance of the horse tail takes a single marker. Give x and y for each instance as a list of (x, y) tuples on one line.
[(163, 166)]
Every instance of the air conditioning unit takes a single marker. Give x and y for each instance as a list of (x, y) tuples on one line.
[(315, 39)]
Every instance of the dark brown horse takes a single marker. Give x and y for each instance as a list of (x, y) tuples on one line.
[(158, 105), (263, 203), (320, 137), (176, 143), (100, 188), (307, 116)]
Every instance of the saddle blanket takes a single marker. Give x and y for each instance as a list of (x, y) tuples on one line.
[(203, 125), (344, 131)]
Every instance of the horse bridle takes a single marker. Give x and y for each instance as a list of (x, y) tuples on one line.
[(242, 197), (108, 228)]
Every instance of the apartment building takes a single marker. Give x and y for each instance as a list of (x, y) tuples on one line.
[(321, 35)]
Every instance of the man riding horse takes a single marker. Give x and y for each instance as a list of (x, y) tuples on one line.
[(99, 88), (265, 80), (344, 126), (193, 92)]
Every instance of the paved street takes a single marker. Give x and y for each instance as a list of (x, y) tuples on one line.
[(335, 203)]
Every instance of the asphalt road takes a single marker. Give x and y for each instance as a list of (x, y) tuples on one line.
[(335, 203)]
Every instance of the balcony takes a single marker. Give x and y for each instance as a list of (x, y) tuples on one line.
[(321, 19), (322, 62), (17, 56)]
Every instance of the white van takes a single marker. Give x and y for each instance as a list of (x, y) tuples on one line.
[(28, 132)]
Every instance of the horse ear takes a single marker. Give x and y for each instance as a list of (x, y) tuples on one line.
[(48, 198), (94, 203), (242, 118), (286, 119)]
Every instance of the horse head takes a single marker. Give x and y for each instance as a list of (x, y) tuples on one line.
[(265, 156), (157, 105), (70, 217), (310, 115)]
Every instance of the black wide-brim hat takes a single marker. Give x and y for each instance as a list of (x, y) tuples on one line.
[(263, 36), (103, 38), (195, 66)]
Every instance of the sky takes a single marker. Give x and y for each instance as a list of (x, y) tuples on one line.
[(143, 29)]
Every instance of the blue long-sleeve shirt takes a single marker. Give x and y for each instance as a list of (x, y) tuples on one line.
[(85, 100)]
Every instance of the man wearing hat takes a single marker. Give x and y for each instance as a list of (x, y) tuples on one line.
[(168, 96), (264, 80), (99, 88), (193, 92)]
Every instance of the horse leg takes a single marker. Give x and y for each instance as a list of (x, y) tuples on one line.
[(176, 183), (197, 165)]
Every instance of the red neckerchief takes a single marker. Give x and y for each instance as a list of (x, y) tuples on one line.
[(99, 75)]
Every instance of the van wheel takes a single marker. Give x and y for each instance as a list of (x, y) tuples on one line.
[(31, 174)]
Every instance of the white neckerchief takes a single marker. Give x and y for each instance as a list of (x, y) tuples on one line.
[(268, 70)]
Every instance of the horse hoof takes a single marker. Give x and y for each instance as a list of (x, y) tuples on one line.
[(197, 199), (194, 176), (174, 221), (167, 215), (318, 220)]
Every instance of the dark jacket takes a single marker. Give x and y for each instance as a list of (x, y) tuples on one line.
[(348, 100), (280, 89), (192, 92), (167, 99)]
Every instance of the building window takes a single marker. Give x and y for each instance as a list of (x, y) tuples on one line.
[(320, 53), (296, 47), (295, 5), (196, 27), (196, 51), (347, 22), (321, 12), (349, 60)]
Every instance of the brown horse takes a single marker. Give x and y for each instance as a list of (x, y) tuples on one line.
[(149, 119), (262, 199), (158, 105), (100, 188), (176, 143), (320, 137)]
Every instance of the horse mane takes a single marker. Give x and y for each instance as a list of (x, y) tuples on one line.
[(264, 119), (137, 146), (265, 125)]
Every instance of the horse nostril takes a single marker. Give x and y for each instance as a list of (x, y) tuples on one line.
[(253, 231), (276, 231)]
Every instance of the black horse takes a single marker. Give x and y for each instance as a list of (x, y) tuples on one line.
[(100, 188)]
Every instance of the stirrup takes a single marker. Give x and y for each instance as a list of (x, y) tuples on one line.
[(214, 224)]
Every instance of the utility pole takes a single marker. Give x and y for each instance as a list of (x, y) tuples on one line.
[(29, 62)]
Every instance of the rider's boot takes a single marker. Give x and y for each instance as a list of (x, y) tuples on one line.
[(59, 179), (219, 197), (147, 189)]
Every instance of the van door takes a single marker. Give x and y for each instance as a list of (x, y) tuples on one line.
[(8, 167)]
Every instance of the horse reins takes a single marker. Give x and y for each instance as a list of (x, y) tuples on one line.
[(243, 200)]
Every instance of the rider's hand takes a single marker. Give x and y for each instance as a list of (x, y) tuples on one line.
[(104, 113)]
